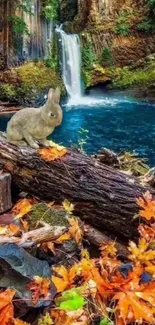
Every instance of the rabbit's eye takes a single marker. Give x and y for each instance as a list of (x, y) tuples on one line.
[(52, 115)]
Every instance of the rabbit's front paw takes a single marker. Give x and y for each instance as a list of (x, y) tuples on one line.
[(35, 145), (45, 142)]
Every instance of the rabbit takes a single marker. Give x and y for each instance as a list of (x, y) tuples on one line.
[(31, 124)]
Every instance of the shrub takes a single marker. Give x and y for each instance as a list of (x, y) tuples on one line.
[(122, 26), (7, 91), (106, 57), (88, 55)]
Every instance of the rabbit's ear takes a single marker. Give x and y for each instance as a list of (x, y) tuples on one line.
[(51, 94), (57, 95)]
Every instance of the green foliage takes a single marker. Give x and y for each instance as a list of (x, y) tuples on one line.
[(35, 78), (125, 78), (122, 26), (18, 24), (106, 321), (151, 4), (71, 300), (50, 9), (88, 55), (148, 24), (106, 57)]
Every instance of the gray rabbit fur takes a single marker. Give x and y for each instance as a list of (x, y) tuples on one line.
[(32, 124)]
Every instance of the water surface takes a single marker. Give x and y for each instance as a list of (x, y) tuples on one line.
[(114, 121)]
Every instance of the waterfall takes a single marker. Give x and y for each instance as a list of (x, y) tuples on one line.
[(71, 63)]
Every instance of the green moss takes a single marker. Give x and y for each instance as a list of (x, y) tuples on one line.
[(51, 216)]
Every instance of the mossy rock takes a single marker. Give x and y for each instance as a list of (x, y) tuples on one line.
[(52, 216), (34, 80)]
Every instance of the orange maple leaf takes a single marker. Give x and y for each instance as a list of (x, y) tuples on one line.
[(61, 281), (6, 306), (75, 230), (108, 249), (40, 288), (147, 232), (50, 154), (148, 206), (22, 207), (132, 309), (147, 293)]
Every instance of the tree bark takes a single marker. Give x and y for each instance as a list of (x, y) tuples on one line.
[(5, 192), (103, 196)]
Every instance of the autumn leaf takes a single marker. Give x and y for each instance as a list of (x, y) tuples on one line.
[(22, 207), (50, 154), (6, 306), (3, 230), (45, 319), (40, 288), (63, 238), (48, 246), (151, 270), (147, 232), (108, 249), (55, 145), (14, 228), (69, 207), (141, 253), (76, 317), (75, 230), (132, 309), (148, 293), (148, 206), (61, 281)]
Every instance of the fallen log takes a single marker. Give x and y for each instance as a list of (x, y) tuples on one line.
[(96, 238), (103, 196)]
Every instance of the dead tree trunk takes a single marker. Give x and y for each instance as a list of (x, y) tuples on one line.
[(103, 196)]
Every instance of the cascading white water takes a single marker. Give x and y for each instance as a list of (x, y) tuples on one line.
[(71, 63)]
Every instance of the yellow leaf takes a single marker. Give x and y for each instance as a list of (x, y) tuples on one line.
[(22, 207), (55, 145), (75, 230), (69, 207), (62, 280), (62, 238), (3, 230)]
